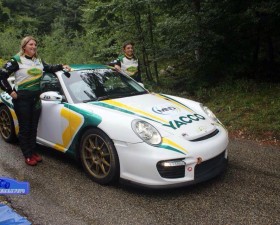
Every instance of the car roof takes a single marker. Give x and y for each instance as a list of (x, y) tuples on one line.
[(88, 66)]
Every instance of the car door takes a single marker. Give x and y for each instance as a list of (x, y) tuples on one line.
[(53, 123)]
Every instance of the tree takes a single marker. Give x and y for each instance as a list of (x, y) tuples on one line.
[(201, 42)]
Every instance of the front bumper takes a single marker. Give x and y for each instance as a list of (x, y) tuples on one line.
[(203, 160), (202, 172)]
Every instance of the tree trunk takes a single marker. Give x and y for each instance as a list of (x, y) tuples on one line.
[(137, 17), (150, 22), (197, 7)]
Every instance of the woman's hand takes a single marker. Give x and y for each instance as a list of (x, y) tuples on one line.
[(13, 95), (66, 68)]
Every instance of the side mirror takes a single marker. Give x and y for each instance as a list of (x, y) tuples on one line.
[(51, 96)]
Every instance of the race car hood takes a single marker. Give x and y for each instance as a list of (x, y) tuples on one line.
[(163, 112)]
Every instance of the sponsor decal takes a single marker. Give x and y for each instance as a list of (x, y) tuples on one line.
[(10, 186), (132, 69), (184, 120), (166, 109), (174, 124), (174, 102), (115, 105), (34, 72), (95, 71)]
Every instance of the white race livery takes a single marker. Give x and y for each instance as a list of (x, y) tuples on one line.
[(119, 130)]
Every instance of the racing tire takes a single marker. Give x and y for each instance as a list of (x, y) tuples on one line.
[(7, 127), (99, 157)]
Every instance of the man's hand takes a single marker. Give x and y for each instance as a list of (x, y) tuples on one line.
[(117, 67)]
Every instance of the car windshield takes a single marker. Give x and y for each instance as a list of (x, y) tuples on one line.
[(100, 84)]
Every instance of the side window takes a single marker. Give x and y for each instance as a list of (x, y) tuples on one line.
[(50, 82)]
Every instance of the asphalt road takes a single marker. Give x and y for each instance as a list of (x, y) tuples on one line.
[(248, 193)]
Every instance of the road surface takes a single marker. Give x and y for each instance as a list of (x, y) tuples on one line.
[(61, 193)]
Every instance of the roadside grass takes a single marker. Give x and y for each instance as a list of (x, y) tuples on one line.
[(249, 110)]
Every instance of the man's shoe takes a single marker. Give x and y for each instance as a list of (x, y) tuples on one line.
[(37, 157), (30, 161)]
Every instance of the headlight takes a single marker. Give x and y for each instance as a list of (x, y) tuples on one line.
[(209, 113), (146, 132)]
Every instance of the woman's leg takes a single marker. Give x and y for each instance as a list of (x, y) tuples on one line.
[(36, 112), (24, 114)]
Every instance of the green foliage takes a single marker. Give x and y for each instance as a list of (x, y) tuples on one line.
[(251, 107), (9, 44), (187, 48), (204, 41)]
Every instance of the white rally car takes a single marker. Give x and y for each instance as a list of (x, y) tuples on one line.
[(119, 130)]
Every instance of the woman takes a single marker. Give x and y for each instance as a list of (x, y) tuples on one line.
[(127, 62), (28, 69)]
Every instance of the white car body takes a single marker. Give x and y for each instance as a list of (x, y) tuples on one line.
[(193, 146)]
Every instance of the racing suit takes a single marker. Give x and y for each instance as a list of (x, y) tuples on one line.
[(130, 66), (28, 72)]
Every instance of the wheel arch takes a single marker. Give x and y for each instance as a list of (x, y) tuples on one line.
[(80, 135), (110, 142)]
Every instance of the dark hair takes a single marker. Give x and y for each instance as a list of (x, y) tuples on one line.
[(127, 43)]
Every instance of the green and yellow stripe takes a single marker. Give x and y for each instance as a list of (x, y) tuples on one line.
[(75, 120), (112, 104), (172, 146), (179, 104)]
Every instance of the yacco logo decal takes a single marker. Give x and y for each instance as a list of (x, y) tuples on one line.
[(171, 145), (184, 120), (166, 110), (130, 110), (179, 104)]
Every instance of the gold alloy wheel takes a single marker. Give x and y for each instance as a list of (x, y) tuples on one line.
[(5, 124), (97, 157)]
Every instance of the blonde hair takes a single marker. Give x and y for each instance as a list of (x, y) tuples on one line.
[(24, 42)]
